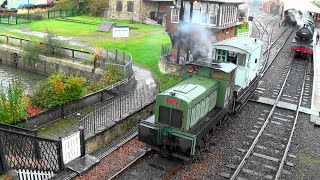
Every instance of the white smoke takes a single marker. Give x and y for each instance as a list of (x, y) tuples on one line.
[(195, 38), (301, 17)]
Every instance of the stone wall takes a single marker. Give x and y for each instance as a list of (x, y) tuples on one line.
[(168, 67), (119, 128), (47, 65), (141, 10)]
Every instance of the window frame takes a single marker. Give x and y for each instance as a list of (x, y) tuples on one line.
[(175, 12), (118, 8), (128, 6)]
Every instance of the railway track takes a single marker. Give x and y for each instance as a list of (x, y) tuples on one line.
[(150, 165), (275, 47), (258, 158), (132, 170), (272, 134)]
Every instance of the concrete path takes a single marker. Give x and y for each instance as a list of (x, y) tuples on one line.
[(142, 75), (315, 101), (315, 105)]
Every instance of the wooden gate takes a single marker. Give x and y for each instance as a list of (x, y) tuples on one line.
[(26, 174), (71, 147)]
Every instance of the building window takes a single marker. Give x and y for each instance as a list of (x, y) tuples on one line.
[(186, 13), (221, 55), (174, 15), (213, 14), (204, 13), (196, 13), (241, 60), (130, 6), (119, 6)]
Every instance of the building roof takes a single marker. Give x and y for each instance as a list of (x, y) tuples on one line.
[(305, 6), (238, 44)]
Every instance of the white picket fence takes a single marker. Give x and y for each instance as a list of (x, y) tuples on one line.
[(26, 174), (71, 147)]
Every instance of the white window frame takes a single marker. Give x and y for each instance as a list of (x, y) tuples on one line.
[(204, 10), (175, 13), (214, 11)]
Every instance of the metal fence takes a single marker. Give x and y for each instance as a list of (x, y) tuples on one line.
[(121, 59), (14, 18), (61, 111), (116, 109), (23, 151)]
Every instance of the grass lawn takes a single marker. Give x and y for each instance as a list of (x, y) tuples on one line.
[(144, 43)]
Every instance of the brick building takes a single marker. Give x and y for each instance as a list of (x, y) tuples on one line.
[(194, 25), (273, 6), (138, 10)]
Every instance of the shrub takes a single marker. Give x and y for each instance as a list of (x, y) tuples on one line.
[(96, 57), (112, 75), (58, 89), (66, 4), (52, 45), (94, 86), (12, 104), (31, 52), (89, 7), (95, 6)]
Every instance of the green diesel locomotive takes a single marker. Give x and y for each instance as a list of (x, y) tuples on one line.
[(186, 112)]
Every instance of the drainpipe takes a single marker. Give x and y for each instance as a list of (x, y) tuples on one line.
[(179, 35), (191, 11), (140, 11)]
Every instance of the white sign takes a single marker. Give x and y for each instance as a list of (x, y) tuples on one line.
[(120, 32)]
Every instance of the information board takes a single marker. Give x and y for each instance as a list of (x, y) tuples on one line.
[(120, 32)]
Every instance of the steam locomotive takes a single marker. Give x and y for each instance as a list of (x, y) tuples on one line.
[(302, 44)]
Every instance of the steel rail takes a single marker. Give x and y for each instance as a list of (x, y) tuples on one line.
[(257, 28), (293, 128), (132, 163), (274, 41), (267, 65), (264, 28), (269, 48), (235, 174)]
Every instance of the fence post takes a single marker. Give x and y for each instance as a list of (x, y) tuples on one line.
[(36, 145), (124, 56), (82, 142), (120, 107), (1, 160), (60, 154), (116, 54), (48, 14)]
